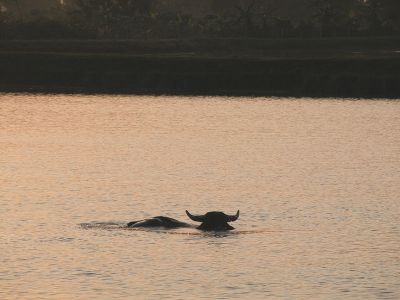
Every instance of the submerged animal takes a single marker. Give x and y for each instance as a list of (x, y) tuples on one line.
[(214, 220)]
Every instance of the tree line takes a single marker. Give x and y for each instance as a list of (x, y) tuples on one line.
[(125, 19)]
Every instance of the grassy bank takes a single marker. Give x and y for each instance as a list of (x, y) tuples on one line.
[(228, 47), (352, 68)]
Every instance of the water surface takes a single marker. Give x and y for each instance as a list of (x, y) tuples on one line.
[(317, 182)]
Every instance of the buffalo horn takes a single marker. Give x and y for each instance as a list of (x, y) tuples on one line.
[(197, 218), (233, 218)]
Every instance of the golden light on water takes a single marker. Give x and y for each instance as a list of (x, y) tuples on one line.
[(316, 182)]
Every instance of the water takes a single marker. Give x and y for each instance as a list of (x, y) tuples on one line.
[(317, 183)]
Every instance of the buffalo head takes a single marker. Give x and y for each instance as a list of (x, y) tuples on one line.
[(214, 220)]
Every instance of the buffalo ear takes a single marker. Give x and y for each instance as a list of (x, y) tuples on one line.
[(197, 218), (233, 218)]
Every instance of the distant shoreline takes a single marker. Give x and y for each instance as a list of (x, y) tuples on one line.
[(360, 68)]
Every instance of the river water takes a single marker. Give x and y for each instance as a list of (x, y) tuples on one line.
[(317, 182)]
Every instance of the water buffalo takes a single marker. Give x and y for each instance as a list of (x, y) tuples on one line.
[(214, 220)]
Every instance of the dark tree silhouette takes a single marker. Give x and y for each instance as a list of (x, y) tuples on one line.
[(186, 18)]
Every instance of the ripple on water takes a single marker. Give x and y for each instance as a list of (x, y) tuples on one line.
[(316, 181)]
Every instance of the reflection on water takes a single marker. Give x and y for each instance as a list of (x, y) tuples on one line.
[(317, 183), (189, 231)]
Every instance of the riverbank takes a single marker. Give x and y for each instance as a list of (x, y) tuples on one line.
[(327, 68)]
